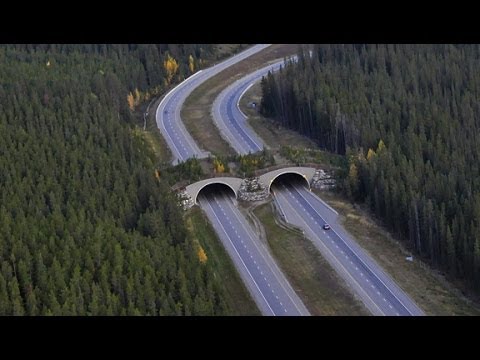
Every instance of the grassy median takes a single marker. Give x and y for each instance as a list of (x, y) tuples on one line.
[(312, 278), (196, 112)]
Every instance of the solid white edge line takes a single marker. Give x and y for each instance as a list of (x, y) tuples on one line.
[(363, 262), (222, 66), (334, 257), (268, 265), (240, 97), (231, 88), (176, 88), (248, 271), (324, 203), (226, 133)]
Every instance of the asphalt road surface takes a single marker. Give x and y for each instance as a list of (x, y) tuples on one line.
[(302, 208), (257, 268), (377, 290), (231, 121), (168, 118), (270, 289), (267, 284)]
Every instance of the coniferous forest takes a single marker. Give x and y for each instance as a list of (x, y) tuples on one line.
[(407, 117), (85, 226)]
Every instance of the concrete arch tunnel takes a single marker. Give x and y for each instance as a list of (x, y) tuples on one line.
[(306, 173), (194, 189)]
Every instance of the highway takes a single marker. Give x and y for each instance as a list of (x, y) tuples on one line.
[(168, 118), (231, 121), (269, 288), (376, 289), (265, 281), (302, 208)]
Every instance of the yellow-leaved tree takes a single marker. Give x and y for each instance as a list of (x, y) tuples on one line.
[(171, 66), (131, 101), (381, 146), (191, 64), (218, 167), (138, 97), (202, 256), (370, 154)]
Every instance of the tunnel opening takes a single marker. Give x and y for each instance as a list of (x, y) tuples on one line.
[(216, 189), (289, 179)]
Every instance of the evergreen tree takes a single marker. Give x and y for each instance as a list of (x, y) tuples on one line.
[(413, 107), (85, 227)]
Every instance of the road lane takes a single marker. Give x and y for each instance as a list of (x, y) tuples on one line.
[(231, 121), (376, 289), (302, 208), (168, 117), (267, 284)]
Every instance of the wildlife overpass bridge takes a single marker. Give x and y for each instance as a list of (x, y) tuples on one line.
[(235, 184)]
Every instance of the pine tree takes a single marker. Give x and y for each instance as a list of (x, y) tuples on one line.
[(450, 251), (17, 303)]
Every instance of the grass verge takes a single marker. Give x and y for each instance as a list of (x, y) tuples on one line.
[(237, 297), (196, 112), (272, 134), (429, 289), (152, 135), (312, 278)]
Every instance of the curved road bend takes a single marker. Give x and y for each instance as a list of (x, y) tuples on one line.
[(231, 121), (267, 284), (168, 118), (270, 289)]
